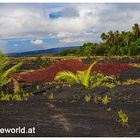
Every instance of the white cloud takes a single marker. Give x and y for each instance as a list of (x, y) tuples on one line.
[(21, 22), (70, 40), (37, 42), (17, 21)]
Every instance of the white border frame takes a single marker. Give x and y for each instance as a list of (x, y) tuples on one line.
[(69, 1)]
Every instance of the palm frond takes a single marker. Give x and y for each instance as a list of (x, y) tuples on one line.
[(3, 60), (87, 75), (68, 76), (4, 77), (80, 75)]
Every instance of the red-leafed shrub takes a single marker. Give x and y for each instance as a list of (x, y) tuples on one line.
[(48, 74), (112, 68)]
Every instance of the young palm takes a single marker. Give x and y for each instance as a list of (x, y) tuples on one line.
[(81, 77)]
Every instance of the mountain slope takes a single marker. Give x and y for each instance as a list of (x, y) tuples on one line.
[(48, 51)]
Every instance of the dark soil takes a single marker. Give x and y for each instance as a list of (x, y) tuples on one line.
[(108, 59), (70, 115), (133, 73)]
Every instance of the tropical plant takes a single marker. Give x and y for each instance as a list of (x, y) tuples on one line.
[(4, 74), (108, 109), (3, 60), (117, 38), (51, 96), (97, 99), (113, 43), (98, 79), (105, 100), (104, 37), (16, 97), (88, 98), (123, 118), (136, 30), (81, 77), (42, 63), (131, 82), (128, 38), (37, 87), (110, 38)]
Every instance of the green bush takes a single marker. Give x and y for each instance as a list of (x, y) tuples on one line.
[(98, 79)]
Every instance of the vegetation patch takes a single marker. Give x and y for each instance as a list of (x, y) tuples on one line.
[(131, 82), (48, 74), (123, 118), (113, 44), (15, 97)]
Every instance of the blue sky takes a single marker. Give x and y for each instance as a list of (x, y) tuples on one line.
[(27, 27)]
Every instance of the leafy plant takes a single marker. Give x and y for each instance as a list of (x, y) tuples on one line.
[(42, 63), (3, 60), (5, 97), (88, 98), (105, 100), (98, 79), (51, 96), (97, 99), (37, 87), (123, 118), (81, 77), (109, 109), (125, 43), (16, 97), (4, 75), (131, 82)]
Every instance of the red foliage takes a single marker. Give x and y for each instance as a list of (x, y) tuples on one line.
[(112, 68), (48, 74)]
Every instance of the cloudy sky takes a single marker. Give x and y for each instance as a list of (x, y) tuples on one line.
[(26, 27)]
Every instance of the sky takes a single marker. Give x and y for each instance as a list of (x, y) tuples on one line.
[(29, 26)]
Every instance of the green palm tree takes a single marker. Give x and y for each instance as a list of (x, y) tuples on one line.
[(104, 37), (117, 38), (128, 38), (110, 38), (122, 38), (136, 31)]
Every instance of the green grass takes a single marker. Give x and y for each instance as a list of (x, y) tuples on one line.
[(15, 97), (131, 82)]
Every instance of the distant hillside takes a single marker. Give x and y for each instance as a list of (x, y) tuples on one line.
[(48, 51)]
